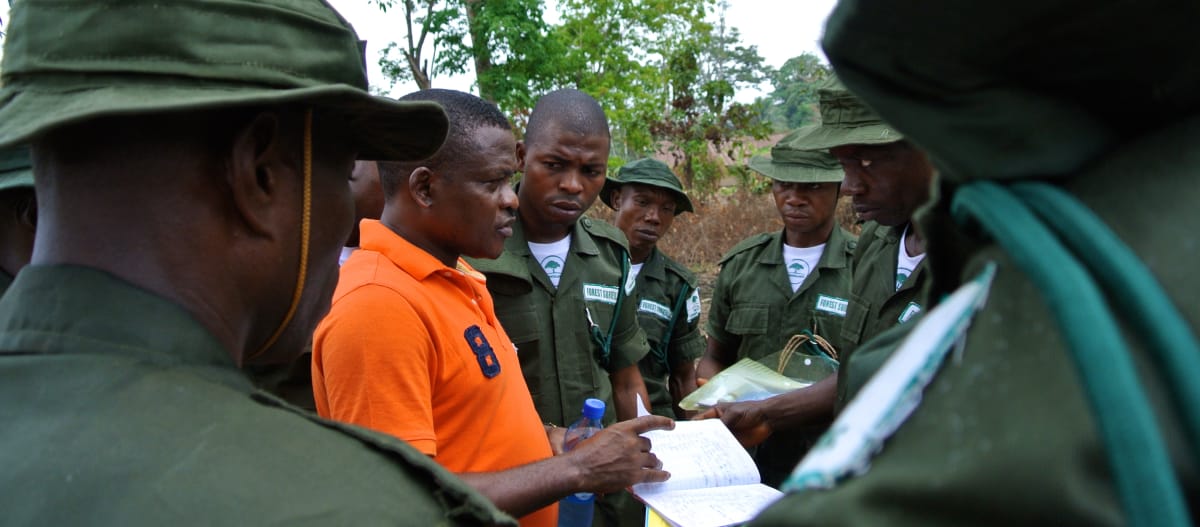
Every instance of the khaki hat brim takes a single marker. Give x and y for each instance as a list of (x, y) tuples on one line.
[(384, 129), (682, 203), (826, 137), (794, 173)]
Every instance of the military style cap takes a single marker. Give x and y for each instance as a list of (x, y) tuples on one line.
[(16, 170), (68, 61), (648, 171), (792, 164), (845, 120), (986, 105)]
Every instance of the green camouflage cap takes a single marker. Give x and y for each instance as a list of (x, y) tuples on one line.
[(16, 169), (792, 164), (68, 61), (648, 171), (845, 120), (987, 105)]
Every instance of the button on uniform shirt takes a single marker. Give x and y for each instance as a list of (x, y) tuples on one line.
[(562, 363), (120, 409)]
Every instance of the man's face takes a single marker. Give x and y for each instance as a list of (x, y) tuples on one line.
[(644, 214), (888, 182), (476, 203), (368, 195), (564, 172), (805, 207)]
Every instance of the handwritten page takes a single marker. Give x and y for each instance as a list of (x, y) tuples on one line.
[(715, 507), (699, 454), (713, 480)]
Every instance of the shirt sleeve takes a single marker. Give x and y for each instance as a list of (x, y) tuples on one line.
[(377, 364), (687, 344), (629, 343)]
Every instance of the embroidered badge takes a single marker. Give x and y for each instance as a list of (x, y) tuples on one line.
[(488, 363), (832, 304), (693, 305), (910, 311), (655, 308), (600, 293)]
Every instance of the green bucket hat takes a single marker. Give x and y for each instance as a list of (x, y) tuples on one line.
[(845, 120), (16, 169), (68, 61), (788, 163), (648, 171)]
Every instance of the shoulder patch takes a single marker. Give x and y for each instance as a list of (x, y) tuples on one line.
[(693, 305), (745, 245)]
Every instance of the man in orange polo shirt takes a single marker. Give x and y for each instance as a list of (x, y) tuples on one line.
[(412, 346)]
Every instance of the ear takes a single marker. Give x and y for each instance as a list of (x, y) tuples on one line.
[(258, 167), (521, 156), (615, 198), (420, 186)]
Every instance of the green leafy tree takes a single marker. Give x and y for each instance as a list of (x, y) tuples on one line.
[(704, 126), (794, 98), (505, 42)]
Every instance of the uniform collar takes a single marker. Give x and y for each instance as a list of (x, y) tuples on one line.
[(654, 267), (68, 308)]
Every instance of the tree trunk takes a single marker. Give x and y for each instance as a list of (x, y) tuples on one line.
[(480, 50)]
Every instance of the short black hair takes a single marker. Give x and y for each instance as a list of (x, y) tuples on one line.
[(572, 109), (466, 114)]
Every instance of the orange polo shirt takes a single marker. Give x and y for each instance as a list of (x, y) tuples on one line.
[(413, 348)]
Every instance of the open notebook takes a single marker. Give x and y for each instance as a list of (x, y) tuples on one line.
[(713, 482)]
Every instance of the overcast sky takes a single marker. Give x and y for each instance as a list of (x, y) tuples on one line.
[(780, 28)]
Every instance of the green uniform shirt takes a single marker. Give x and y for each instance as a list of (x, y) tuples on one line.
[(560, 359), (669, 312), (120, 409), (753, 305), (1004, 434), (875, 303)]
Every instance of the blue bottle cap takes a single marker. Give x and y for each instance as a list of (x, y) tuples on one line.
[(593, 409)]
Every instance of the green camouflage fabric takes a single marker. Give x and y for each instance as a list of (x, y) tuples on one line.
[(875, 302), (131, 413), (667, 291), (549, 325)]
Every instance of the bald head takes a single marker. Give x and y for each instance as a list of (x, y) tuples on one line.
[(569, 110)]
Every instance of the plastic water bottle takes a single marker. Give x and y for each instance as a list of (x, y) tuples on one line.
[(576, 510)]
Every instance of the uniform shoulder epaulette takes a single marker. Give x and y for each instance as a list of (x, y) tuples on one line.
[(675, 267), (745, 245), (851, 241), (603, 229)]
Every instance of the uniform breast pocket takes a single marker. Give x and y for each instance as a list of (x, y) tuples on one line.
[(523, 326), (749, 319)]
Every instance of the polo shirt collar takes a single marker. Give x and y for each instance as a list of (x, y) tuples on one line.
[(418, 263)]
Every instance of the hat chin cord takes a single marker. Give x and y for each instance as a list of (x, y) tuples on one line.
[(305, 224)]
